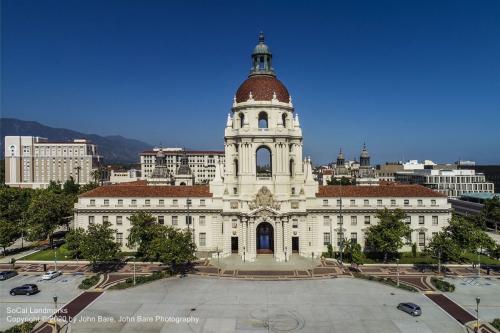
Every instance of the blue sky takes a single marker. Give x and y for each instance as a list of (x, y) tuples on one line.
[(414, 79)]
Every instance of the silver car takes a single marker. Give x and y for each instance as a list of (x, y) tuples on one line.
[(410, 308)]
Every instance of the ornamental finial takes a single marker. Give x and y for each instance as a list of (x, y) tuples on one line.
[(261, 37)]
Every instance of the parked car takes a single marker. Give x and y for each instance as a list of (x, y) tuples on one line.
[(410, 308), (7, 275), (50, 275), (25, 289)]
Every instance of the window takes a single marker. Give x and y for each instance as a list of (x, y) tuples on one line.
[(339, 202), (105, 219), (161, 202), (120, 202), (340, 220), (353, 202), (434, 220), (354, 220), (420, 202), (263, 120), (161, 220), (201, 222), (119, 220), (366, 202), (91, 219), (234, 223), (326, 221), (406, 202), (203, 239), (263, 161), (202, 202), (119, 238), (326, 238), (92, 202), (189, 220), (175, 220), (134, 202), (295, 223), (325, 202), (379, 202), (408, 239), (433, 202), (408, 219), (367, 219), (175, 202), (421, 220), (235, 190), (421, 238), (354, 237), (106, 202), (393, 202), (147, 202)]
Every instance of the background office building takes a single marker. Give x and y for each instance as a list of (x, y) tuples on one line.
[(34, 162)]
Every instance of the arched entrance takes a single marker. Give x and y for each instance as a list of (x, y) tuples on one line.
[(265, 238)]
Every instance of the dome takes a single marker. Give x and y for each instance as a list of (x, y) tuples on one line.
[(261, 49), (262, 87)]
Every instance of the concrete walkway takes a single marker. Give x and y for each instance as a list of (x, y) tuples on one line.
[(265, 262)]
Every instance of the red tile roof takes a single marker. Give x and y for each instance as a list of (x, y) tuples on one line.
[(187, 152), (377, 191), (262, 88), (125, 190)]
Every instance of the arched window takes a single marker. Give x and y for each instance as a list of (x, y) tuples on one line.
[(242, 120), (284, 118), (236, 167), (264, 162), (292, 167), (182, 184), (263, 120)]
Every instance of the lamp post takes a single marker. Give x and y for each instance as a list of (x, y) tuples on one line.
[(188, 203), (285, 254), (397, 270), (477, 313), (55, 313), (55, 258), (134, 270), (439, 262), (479, 263)]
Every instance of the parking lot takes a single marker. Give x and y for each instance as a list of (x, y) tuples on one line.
[(20, 307), (197, 304)]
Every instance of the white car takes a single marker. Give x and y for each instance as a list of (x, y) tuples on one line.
[(50, 275)]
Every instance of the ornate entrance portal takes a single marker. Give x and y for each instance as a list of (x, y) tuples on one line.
[(265, 238)]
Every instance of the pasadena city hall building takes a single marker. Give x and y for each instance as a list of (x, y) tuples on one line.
[(253, 207)]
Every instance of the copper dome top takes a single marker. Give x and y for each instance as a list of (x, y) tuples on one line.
[(262, 88)]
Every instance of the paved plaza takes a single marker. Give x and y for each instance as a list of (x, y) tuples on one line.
[(225, 305)]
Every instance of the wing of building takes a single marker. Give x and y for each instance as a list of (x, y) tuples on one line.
[(263, 197)]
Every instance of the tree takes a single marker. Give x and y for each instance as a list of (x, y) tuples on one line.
[(13, 203), (8, 234), (98, 243), (87, 187), (491, 210), (74, 238), (467, 235), (442, 245), (46, 211), (387, 236), (352, 252), (142, 232), (70, 187), (342, 181)]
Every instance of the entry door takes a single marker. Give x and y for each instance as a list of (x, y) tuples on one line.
[(295, 244), (234, 244)]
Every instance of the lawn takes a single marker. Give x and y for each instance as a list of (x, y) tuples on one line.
[(62, 253), (472, 257)]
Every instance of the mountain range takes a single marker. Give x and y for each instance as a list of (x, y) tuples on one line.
[(113, 148)]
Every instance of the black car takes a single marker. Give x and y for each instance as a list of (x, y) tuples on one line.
[(7, 275), (25, 289)]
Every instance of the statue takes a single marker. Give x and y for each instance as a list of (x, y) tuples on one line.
[(264, 198)]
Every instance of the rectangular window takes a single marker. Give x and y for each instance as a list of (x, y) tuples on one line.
[(354, 237), (295, 223), (366, 202), (325, 202), (105, 219), (434, 220), (201, 222), (421, 220), (408, 239), (189, 220), (119, 238), (393, 202), (407, 202), (106, 202), (175, 220), (202, 202), (147, 202), (339, 202), (92, 202), (203, 239), (119, 220), (120, 202), (353, 202), (433, 202), (420, 202), (161, 220), (175, 202), (421, 238), (367, 219), (326, 238), (354, 220), (379, 202), (326, 221), (340, 220), (134, 202), (161, 202), (234, 223), (91, 219), (408, 219)]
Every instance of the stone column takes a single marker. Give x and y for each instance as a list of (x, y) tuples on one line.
[(252, 246), (278, 240), (226, 251)]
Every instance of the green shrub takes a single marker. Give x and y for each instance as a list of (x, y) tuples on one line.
[(89, 282), (387, 281), (442, 285), (414, 250), (496, 323), (139, 279), (25, 327)]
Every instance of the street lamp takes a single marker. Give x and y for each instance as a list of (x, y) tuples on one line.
[(55, 313), (477, 312), (134, 270), (285, 254), (397, 270), (188, 203), (55, 258), (479, 263)]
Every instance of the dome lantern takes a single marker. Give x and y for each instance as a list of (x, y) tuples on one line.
[(261, 59)]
